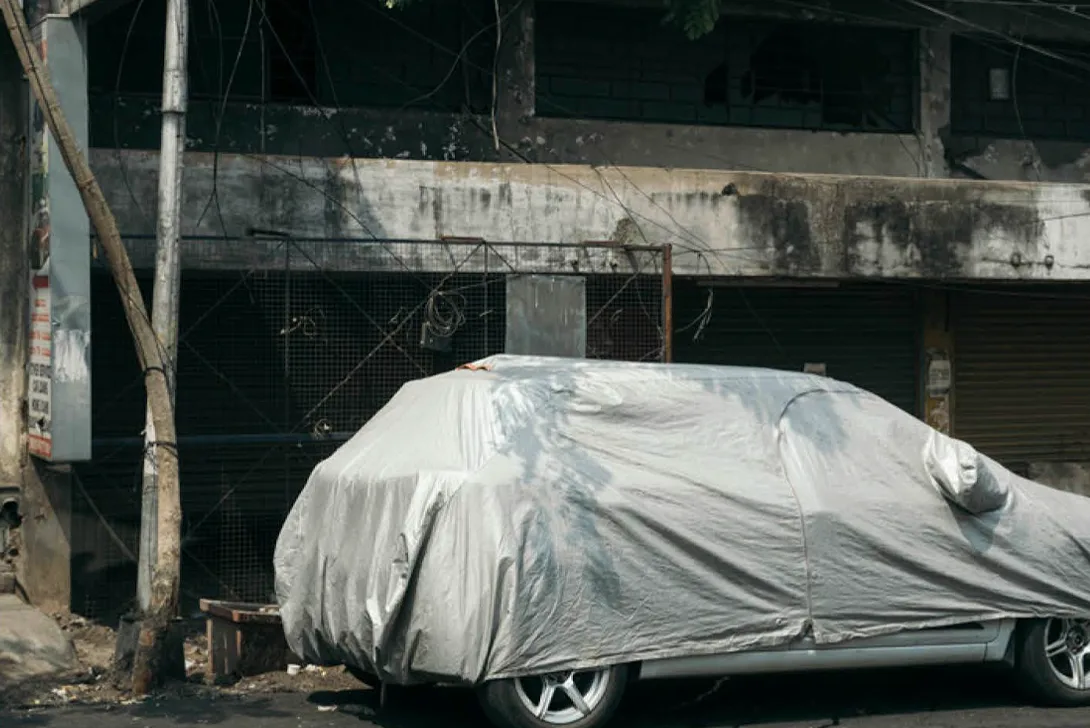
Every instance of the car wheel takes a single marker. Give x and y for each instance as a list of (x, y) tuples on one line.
[(580, 699), (1053, 657)]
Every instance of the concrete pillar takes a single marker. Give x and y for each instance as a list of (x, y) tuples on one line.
[(44, 568), (516, 87), (14, 269), (61, 249), (14, 279), (58, 246), (934, 99), (938, 362)]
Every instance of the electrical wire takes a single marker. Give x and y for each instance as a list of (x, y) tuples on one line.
[(444, 313), (121, 166), (138, 306), (460, 55), (343, 133), (511, 148), (1040, 50), (213, 197), (1018, 110), (441, 307), (515, 151), (339, 128)]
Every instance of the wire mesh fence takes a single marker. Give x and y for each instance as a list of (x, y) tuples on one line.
[(280, 362)]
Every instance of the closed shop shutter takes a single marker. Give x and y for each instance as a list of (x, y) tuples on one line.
[(1022, 374), (864, 334)]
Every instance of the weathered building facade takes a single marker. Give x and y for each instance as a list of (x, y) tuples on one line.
[(893, 194)]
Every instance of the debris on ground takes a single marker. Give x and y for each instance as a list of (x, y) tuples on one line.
[(94, 643), (95, 681), (33, 648), (310, 679)]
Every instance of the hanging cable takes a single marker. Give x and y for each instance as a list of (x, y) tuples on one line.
[(444, 313)]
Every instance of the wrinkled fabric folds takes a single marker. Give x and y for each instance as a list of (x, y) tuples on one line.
[(533, 514)]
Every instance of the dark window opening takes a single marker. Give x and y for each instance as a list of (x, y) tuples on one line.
[(623, 64), (427, 55), (225, 51), (125, 51), (433, 55), (1000, 91), (292, 49), (836, 76)]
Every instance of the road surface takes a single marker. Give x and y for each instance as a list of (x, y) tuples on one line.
[(879, 699)]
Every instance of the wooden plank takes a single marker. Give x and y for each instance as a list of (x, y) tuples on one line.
[(240, 612)]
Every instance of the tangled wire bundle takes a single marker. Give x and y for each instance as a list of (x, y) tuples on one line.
[(444, 313)]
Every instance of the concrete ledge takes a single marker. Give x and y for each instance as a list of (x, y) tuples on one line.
[(719, 223)]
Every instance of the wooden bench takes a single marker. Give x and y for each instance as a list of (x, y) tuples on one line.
[(244, 639)]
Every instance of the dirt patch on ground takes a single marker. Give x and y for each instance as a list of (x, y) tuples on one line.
[(94, 643), (96, 681), (310, 679)]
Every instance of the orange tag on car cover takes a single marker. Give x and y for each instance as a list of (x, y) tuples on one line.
[(476, 367)]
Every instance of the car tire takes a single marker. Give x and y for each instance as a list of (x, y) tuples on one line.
[(518, 702), (1052, 656)]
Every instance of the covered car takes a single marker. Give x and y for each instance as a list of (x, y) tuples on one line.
[(528, 515)]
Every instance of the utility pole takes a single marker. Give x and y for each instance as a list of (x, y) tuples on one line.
[(167, 288), (164, 603)]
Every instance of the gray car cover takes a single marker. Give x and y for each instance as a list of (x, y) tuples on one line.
[(525, 515)]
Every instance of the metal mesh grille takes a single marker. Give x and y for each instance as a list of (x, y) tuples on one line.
[(279, 364), (597, 60), (625, 318)]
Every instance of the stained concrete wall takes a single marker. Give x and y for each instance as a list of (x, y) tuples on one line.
[(59, 233), (45, 501), (14, 268), (934, 151), (61, 229), (44, 567), (1072, 477), (720, 223)]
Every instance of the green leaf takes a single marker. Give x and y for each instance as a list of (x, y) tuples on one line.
[(694, 17)]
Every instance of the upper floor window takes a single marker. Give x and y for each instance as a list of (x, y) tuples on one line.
[(620, 63), (428, 55), (998, 90)]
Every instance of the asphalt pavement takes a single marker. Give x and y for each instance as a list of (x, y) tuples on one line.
[(877, 699)]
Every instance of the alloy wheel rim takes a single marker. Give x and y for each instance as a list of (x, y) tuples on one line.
[(1067, 649), (562, 698)]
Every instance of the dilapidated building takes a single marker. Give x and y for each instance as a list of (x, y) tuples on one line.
[(894, 194)]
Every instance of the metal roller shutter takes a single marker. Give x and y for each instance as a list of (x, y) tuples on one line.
[(864, 334), (1022, 374)]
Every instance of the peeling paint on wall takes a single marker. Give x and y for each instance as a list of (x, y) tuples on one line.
[(720, 223)]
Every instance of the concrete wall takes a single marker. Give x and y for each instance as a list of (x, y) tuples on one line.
[(42, 568), (262, 125), (44, 565), (58, 234), (14, 268), (1072, 477), (720, 223), (60, 230)]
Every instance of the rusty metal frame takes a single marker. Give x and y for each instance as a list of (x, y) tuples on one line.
[(667, 303)]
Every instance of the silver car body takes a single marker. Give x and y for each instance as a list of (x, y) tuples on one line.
[(963, 644)]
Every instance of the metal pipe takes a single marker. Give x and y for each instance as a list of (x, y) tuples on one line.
[(256, 439), (668, 303), (167, 288)]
